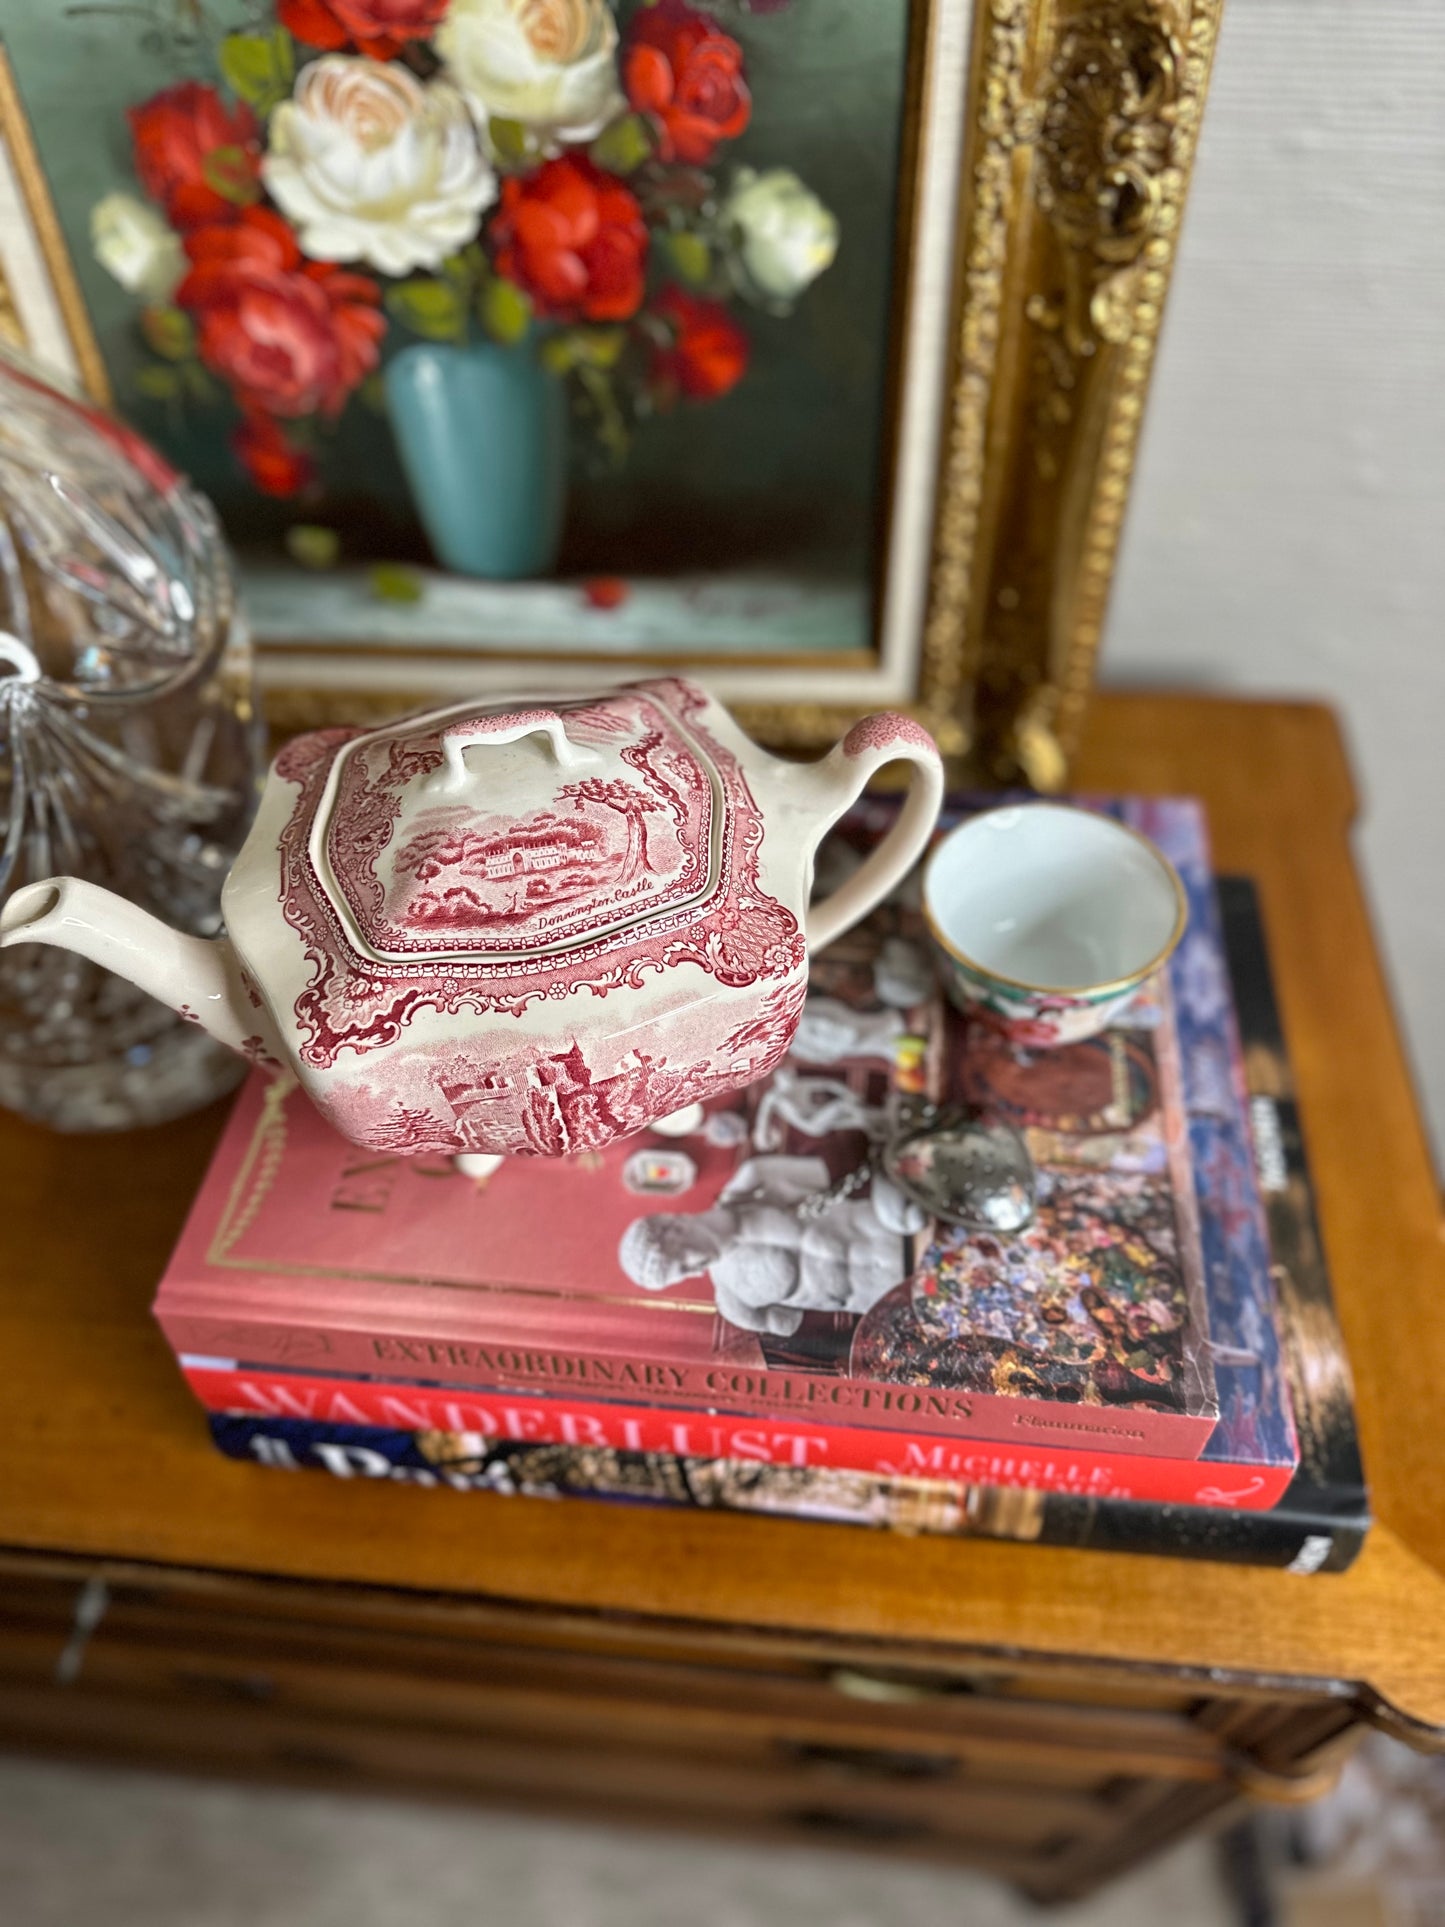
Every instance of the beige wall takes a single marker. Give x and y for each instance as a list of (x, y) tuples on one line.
[(1287, 531)]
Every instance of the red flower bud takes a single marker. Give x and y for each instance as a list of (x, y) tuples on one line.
[(679, 67), (380, 28), (199, 161), (708, 352), (605, 591), (274, 464)]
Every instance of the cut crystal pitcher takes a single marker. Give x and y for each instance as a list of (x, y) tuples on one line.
[(130, 746)]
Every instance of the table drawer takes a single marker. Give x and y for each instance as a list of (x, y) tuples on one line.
[(1035, 1772), (146, 1649)]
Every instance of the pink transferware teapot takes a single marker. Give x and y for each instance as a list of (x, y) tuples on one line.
[(526, 928)]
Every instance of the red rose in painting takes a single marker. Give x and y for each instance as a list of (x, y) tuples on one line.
[(380, 28), (273, 463), (572, 238), (291, 337), (684, 71), (707, 353), (198, 159)]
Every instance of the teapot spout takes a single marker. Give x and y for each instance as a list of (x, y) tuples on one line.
[(197, 976)]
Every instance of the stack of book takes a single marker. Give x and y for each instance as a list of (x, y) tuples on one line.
[(753, 1318)]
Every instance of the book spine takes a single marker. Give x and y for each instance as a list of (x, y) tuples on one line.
[(224, 1386), (1302, 1543), (1331, 1478), (1302, 1539), (746, 1390)]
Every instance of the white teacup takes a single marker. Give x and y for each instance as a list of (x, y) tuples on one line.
[(1046, 919)]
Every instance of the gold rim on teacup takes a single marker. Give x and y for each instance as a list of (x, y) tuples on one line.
[(1092, 992)]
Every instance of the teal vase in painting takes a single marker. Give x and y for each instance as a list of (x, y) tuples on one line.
[(482, 434)]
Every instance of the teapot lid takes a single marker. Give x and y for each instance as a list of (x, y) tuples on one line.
[(485, 857), (516, 834)]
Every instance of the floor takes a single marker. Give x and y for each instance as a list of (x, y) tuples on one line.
[(82, 1845)]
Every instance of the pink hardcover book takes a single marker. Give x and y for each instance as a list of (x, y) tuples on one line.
[(760, 1266)]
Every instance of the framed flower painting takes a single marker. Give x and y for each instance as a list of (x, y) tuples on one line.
[(799, 341)]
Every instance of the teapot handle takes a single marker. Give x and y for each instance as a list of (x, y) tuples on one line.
[(495, 730), (879, 739)]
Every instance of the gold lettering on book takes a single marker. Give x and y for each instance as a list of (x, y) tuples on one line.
[(367, 1184), (515, 1365), (1051, 1422)]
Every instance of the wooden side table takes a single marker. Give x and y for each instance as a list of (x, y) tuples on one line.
[(1051, 1715)]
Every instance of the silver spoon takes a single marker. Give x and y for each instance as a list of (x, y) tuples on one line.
[(962, 1169)]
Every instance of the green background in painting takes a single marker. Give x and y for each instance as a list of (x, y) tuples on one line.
[(781, 474)]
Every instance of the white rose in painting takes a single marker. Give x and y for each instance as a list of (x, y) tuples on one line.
[(371, 165), (786, 237), (548, 64), (137, 245)]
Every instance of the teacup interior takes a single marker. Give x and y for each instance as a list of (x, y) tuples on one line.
[(1051, 897)]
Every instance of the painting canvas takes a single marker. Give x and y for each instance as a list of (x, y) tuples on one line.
[(595, 304)]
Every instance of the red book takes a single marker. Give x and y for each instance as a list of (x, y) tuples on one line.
[(260, 1391), (758, 1270), (303, 1251)]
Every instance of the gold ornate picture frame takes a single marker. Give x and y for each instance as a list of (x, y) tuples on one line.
[(1084, 118), (42, 310)]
